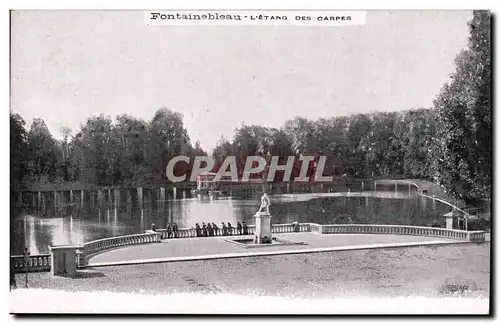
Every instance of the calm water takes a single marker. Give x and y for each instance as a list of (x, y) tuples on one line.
[(79, 223)]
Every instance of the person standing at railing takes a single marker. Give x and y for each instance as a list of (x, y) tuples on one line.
[(245, 228), (296, 226), (175, 229), (229, 228), (169, 231), (224, 229), (210, 230), (215, 228), (153, 227), (204, 229), (239, 228), (198, 230)]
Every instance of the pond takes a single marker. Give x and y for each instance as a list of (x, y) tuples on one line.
[(80, 223)]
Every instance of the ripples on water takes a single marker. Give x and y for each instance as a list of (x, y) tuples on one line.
[(77, 223)]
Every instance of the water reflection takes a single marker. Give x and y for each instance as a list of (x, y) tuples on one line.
[(76, 224)]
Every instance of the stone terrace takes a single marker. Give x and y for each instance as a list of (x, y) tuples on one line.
[(217, 247)]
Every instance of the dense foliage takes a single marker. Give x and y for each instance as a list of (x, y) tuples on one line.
[(366, 145), (129, 151), (463, 143)]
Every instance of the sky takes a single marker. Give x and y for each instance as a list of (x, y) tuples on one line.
[(67, 66)]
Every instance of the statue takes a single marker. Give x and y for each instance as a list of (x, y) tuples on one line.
[(264, 203), (263, 228)]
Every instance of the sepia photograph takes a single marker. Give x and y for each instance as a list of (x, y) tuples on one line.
[(250, 162)]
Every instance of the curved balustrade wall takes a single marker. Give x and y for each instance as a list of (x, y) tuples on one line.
[(36, 263), (403, 230), (42, 262), (276, 228), (191, 232), (114, 242)]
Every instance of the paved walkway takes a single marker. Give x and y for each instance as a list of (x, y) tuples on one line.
[(189, 249)]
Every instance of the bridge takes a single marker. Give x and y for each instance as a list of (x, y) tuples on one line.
[(59, 196)]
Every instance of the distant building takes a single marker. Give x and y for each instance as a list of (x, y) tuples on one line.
[(205, 182)]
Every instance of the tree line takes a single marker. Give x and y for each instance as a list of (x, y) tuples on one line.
[(129, 151), (448, 144)]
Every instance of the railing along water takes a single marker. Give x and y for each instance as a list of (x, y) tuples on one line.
[(282, 228), (315, 228), (43, 262), (113, 242), (36, 263), (402, 230), (191, 232)]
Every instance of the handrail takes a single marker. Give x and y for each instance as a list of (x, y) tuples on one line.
[(275, 228), (424, 195), (115, 237), (395, 181), (100, 245), (403, 230), (446, 203), (42, 262)]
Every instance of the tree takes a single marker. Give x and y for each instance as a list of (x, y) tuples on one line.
[(95, 151), (132, 139), (462, 153), (18, 149), (42, 150), (302, 132), (418, 142), (167, 139), (65, 167), (358, 130)]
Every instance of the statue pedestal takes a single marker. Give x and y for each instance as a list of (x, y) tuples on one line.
[(263, 228)]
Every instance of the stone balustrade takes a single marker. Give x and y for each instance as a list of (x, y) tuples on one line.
[(191, 232), (36, 263), (276, 228), (289, 228), (315, 228), (403, 230), (282, 228), (43, 262), (305, 227), (477, 236), (114, 242)]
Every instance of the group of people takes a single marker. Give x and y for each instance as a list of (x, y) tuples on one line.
[(211, 229), (171, 232)]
